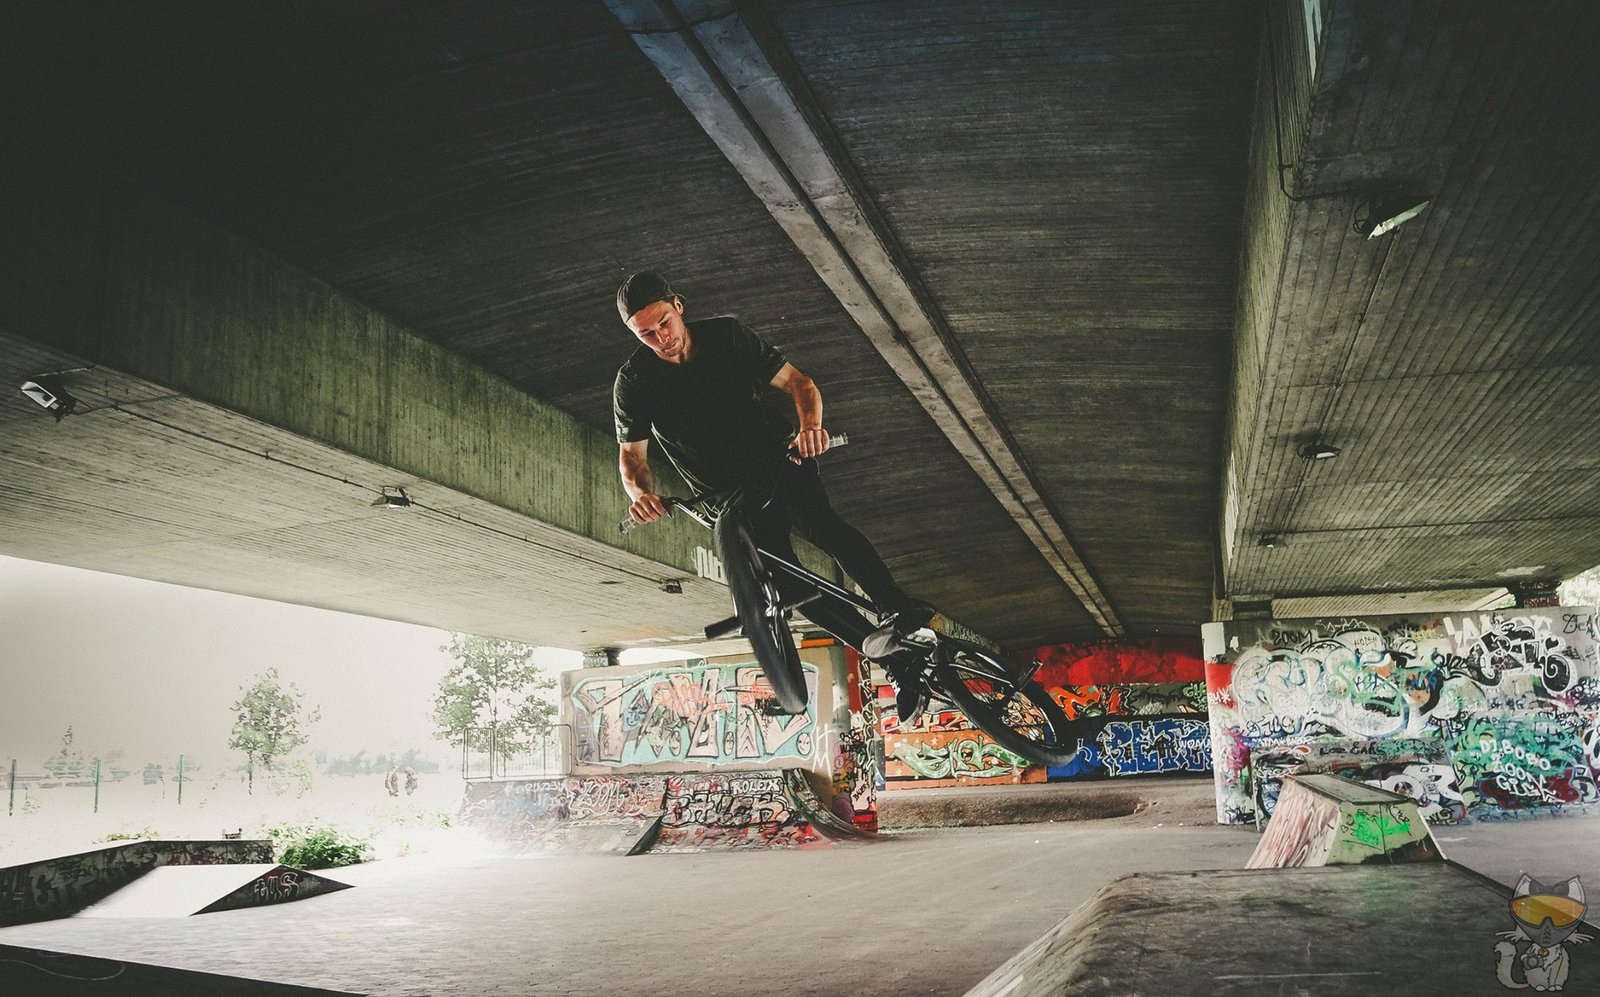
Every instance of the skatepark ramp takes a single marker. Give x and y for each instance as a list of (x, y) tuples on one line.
[(770, 809), (179, 891), (62, 885), (1328, 820), (1428, 928), (669, 812)]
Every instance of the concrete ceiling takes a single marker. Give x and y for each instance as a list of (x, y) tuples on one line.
[(1038, 256)]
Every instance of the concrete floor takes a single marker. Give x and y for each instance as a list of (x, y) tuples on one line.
[(927, 911)]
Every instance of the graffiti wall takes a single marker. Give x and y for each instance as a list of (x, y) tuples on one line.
[(630, 815), (707, 717), (854, 777), (1140, 707), (712, 715), (587, 813), (1487, 714), (745, 810), (1142, 661)]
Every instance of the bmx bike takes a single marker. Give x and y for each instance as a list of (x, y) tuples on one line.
[(767, 590)]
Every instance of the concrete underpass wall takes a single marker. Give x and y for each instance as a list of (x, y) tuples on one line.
[(1143, 702), (1486, 714), (117, 276)]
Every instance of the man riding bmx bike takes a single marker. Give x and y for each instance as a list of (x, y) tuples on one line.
[(698, 393)]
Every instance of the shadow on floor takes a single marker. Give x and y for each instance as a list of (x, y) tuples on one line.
[(39, 973)]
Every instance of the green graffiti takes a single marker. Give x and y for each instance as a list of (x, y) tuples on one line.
[(1370, 830), (970, 758)]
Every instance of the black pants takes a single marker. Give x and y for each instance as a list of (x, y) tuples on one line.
[(800, 505)]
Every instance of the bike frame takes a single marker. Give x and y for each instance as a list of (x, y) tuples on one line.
[(1041, 730), (820, 586)]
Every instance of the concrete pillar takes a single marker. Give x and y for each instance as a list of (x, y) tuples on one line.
[(602, 657), (1537, 592)]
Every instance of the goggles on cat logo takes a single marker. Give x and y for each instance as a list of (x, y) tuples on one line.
[(1561, 911)]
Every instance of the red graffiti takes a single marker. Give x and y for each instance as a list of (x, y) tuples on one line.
[(1150, 659)]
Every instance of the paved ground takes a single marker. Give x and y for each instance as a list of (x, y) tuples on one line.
[(928, 911)]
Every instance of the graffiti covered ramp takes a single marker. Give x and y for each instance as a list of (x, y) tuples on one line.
[(738, 810), (179, 891), (677, 812), (1328, 820), (1331, 932)]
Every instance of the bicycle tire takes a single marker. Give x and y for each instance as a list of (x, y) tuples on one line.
[(759, 606), (1019, 716)]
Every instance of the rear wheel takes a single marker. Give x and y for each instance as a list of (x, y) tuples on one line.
[(760, 607), (1019, 715)]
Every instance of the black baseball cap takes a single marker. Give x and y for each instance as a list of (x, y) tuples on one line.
[(642, 289)]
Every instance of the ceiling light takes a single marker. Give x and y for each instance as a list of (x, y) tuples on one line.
[(1382, 215), (393, 498), (672, 587), (1270, 541), (1318, 451), (46, 389)]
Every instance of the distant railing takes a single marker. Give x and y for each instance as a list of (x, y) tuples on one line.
[(79, 774), (483, 756)]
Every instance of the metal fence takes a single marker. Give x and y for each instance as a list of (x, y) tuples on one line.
[(88, 774), (485, 756)]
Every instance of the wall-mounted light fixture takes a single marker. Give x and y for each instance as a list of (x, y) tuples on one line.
[(672, 586), (393, 498), (1384, 214), (46, 389), (1318, 451), (1271, 541)]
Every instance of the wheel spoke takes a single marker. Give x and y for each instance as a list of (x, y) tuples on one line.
[(1015, 713)]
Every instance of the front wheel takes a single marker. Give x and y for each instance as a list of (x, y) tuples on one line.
[(1019, 715), (760, 607)]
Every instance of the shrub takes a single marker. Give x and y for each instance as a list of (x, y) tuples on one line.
[(306, 847), (148, 832)]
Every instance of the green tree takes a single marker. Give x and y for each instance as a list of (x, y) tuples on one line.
[(270, 721), (1582, 590), (494, 684)]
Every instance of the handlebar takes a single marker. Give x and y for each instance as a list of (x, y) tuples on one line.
[(627, 526)]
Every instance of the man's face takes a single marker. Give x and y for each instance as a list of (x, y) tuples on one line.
[(659, 326)]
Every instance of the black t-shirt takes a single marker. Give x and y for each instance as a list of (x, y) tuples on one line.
[(709, 415)]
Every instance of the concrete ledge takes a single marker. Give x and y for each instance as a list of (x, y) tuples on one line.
[(1328, 932)]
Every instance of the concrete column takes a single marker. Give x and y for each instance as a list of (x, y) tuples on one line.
[(1537, 593), (602, 657)]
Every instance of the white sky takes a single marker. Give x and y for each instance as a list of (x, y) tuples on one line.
[(151, 669)]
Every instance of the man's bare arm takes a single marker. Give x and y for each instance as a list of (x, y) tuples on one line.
[(812, 438), (633, 461)]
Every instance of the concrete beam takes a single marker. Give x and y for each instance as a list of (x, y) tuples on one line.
[(726, 76), (241, 416)]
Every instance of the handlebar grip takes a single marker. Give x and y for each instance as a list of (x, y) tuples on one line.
[(627, 526)]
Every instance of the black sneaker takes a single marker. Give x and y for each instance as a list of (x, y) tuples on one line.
[(913, 616), (884, 641), (905, 677)]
